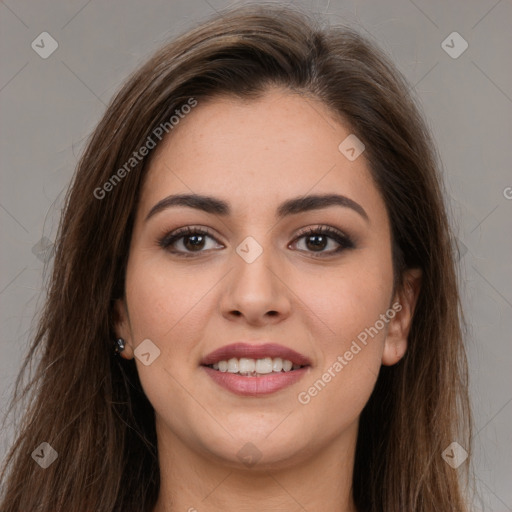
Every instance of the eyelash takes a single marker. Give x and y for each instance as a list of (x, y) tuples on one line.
[(344, 241)]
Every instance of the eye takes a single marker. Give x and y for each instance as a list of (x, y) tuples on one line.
[(189, 240), (317, 239), (186, 241)]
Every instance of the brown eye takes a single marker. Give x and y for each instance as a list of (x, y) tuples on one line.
[(193, 242), (316, 240), (186, 241)]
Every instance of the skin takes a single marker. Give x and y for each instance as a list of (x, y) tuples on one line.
[(255, 155)]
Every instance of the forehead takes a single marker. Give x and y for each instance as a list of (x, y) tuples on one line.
[(255, 152)]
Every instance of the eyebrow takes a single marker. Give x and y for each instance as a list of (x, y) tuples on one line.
[(292, 206)]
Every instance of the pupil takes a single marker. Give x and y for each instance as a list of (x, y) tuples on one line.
[(197, 242), (319, 241)]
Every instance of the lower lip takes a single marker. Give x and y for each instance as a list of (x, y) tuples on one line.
[(255, 386)]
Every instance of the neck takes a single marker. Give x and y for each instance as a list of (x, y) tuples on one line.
[(197, 482)]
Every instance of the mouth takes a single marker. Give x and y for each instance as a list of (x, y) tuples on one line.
[(253, 370), (246, 367)]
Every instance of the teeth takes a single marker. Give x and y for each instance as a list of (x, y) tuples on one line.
[(287, 365), (233, 365), (246, 365), (254, 367), (277, 364), (264, 365)]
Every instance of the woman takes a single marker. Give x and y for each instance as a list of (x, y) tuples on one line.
[(254, 302)]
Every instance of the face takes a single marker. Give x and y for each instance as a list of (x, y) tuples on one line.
[(260, 264)]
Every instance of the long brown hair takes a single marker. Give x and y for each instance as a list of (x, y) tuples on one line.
[(90, 406)]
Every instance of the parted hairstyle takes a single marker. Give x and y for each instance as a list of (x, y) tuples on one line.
[(89, 405)]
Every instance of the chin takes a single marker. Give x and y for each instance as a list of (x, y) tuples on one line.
[(260, 448)]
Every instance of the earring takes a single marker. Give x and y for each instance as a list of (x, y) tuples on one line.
[(119, 345)]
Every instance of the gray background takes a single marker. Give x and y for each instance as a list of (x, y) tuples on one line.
[(49, 106)]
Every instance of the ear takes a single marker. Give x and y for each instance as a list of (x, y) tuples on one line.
[(403, 303), (122, 327)]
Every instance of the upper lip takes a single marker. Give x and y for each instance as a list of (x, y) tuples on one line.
[(249, 351)]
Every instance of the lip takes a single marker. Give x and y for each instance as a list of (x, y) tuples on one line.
[(239, 350), (255, 386)]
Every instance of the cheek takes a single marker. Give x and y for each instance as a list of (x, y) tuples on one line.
[(168, 308), (347, 315), (163, 301), (344, 302)]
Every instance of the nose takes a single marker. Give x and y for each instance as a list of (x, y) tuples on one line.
[(256, 293)]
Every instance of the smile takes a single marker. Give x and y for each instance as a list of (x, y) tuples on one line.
[(254, 370), (255, 367)]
